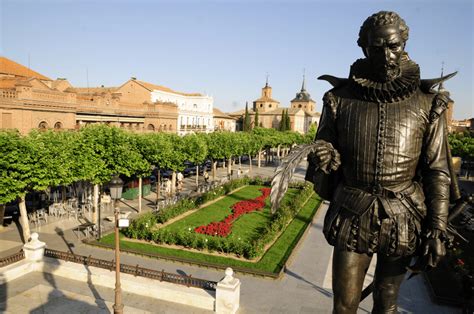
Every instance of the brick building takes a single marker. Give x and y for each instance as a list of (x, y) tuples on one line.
[(30, 100)]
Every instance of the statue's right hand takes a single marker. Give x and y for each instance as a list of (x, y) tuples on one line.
[(325, 153)]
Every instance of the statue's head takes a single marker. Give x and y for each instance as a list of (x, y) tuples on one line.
[(382, 38)]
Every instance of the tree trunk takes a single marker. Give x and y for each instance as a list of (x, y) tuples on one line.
[(63, 194), (24, 219), (95, 203), (173, 183), (140, 194), (197, 177), (214, 167), (259, 158), (229, 168), (250, 163), (278, 151), (158, 185), (2, 214), (240, 162)]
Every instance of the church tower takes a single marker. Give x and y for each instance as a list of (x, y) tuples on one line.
[(303, 100), (265, 102)]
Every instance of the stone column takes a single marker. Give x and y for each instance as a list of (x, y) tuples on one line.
[(34, 249), (228, 293)]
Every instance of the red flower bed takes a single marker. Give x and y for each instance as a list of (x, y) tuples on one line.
[(223, 228)]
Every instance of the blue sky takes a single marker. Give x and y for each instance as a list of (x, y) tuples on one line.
[(225, 48)]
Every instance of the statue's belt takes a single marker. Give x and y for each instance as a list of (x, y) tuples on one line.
[(358, 201)]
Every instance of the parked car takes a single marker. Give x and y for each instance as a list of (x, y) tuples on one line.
[(191, 171), (166, 173)]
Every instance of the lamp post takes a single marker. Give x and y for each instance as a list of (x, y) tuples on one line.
[(116, 185)]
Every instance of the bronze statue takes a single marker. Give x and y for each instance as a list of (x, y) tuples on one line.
[(381, 157), (391, 190)]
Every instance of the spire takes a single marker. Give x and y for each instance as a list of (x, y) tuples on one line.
[(303, 89), (266, 83), (440, 86)]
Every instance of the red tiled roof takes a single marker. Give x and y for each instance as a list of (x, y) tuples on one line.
[(7, 82), (10, 67), (152, 87)]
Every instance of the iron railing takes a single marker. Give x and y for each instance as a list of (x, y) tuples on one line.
[(185, 280), (12, 258)]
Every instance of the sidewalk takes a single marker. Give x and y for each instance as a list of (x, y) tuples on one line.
[(304, 288)]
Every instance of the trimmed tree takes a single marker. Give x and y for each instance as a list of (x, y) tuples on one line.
[(111, 153), (16, 163), (255, 121), (247, 123), (195, 148)]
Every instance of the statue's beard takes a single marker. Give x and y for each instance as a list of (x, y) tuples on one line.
[(385, 72)]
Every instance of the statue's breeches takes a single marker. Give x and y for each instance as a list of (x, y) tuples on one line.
[(387, 223)]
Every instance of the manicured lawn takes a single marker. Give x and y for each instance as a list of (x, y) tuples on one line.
[(272, 261), (246, 227)]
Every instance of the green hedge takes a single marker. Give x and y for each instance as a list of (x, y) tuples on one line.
[(132, 193), (142, 228)]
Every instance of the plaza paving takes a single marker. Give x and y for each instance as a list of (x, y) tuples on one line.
[(305, 286)]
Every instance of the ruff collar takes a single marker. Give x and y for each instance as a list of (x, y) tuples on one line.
[(395, 90)]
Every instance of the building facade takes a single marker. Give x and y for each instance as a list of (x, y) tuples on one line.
[(29, 100), (223, 122), (195, 111)]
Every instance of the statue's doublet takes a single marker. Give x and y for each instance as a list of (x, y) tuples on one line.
[(384, 136)]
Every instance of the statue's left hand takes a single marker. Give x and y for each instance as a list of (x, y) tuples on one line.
[(434, 248)]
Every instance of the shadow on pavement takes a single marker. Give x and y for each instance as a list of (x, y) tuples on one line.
[(60, 233), (318, 288)]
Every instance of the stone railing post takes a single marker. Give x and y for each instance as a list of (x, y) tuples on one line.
[(34, 249), (228, 293)]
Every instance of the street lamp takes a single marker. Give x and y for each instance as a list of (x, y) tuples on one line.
[(116, 185)]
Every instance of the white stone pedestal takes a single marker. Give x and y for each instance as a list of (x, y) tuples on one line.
[(228, 293), (34, 250)]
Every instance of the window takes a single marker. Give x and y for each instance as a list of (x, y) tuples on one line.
[(43, 125), (151, 127), (299, 106), (270, 105), (58, 125), (170, 127)]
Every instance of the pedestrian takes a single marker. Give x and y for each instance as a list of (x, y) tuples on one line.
[(180, 179), (168, 188)]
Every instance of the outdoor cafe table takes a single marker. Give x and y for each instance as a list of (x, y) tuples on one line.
[(86, 229)]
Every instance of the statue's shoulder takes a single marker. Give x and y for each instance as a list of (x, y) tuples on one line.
[(331, 98), (336, 82), (427, 86), (439, 99)]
